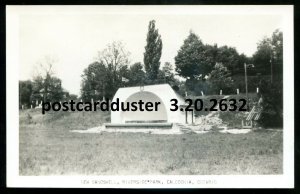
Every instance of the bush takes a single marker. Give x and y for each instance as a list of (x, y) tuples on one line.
[(272, 115), (233, 119)]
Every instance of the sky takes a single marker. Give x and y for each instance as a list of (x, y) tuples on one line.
[(73, 39)]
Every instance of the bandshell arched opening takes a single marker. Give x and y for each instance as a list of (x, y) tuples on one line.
[(145, 116)]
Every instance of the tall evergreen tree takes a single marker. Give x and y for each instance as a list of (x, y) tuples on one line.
[(152, 53)]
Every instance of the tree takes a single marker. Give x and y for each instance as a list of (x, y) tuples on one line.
[(25, 91), (239, 69), (220, 79), (42, 79), (136, 74), (166, 75), (277, 57), (72, 97), (152, 53), (103, 77), (124, 76), (192, 60), (168, 72), (114, 57), (262, 56), (195, 61), (55, 90), (230, 58), (270, 52), (95, 82), (46, 87), (272, 114)]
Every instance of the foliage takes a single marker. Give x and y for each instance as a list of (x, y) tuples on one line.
[(167, 70), (102, 78), (25, 91), (195, 60), (33, 92), (136, 74), (97, 80), (269, 51), (190, 60), (47, 89), (45, 86), (268, 60), (220, 79), (56, 92), (152, 53), (252, 82), (195, 87), (94, 81), (231, 59), (72, 97), (114, 57), (272, 94)]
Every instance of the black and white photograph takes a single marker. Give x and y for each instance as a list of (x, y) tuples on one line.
[(150, 96)]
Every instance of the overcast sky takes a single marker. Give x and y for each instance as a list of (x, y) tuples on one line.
[(74, 39)]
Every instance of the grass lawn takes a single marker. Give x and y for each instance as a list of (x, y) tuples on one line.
[(48, 148)]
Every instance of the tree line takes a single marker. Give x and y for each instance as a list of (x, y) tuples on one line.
[(44, 86), (205, 68)]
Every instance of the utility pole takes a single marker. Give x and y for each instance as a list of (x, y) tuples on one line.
[(246, 81)]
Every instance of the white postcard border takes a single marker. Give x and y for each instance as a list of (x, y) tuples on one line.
[(286, 180)]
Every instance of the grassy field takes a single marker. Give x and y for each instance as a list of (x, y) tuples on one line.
[(47, 147)]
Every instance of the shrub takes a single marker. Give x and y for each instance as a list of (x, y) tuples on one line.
[(272, 115)]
